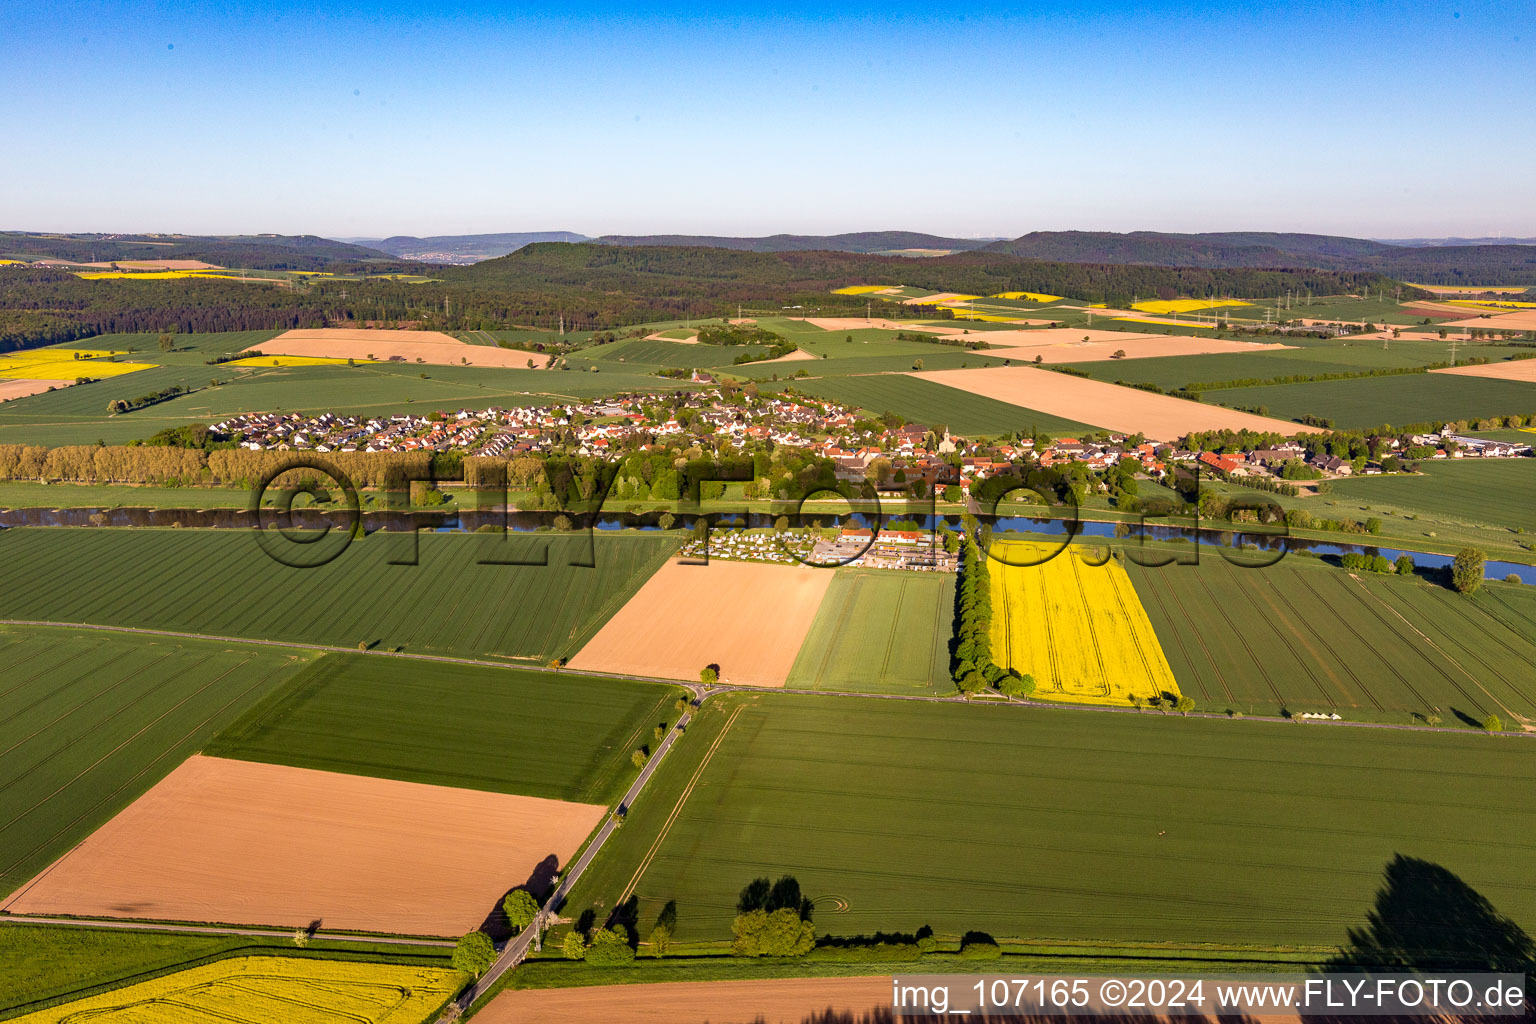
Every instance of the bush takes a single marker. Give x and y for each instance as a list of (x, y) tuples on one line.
[(1513, 577), (473, 954), (872, 952), (772, 933), (610, 948), (979, 946), (573, 946)]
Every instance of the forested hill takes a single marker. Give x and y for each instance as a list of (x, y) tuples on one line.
[(693, 277), (588, 286), (1445, 264), (252, 252), (856, 241)]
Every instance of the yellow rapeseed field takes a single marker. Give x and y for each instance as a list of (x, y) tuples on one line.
[(860, 289), (1476, 289), (142, 275), (1490, 305), (268, 990), (1164, 321), (61, 364), (1078, 628), (292, 361), (1185, 305), (1031, 296), (992, 318)]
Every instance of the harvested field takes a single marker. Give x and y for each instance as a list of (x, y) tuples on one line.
[(269, 990), (10, 389), (1078, 628), (776, 1001), (1106, 405), (1062, 345), (156, 265), (938, 298), (1514, 369), (858, 323), (749, 618), (1517, 320), (247, 843), (409, 346)]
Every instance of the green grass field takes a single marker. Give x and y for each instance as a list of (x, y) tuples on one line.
[(91, 720), (1094, 826), (646, 355), (880, 632), (1374, 401), (1498, 493), (1308, 637), (563, 737), (223, 583), (937, 406)]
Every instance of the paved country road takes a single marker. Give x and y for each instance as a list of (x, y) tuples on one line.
[(516, 949)]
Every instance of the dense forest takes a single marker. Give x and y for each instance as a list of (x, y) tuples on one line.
[(854, 241), (1440, 265), (588, 286), (252, 252)]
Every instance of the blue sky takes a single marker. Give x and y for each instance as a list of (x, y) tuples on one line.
[(414, 118)]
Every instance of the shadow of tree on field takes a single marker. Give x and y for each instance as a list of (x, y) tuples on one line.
[(1427, 919), (541, 882)]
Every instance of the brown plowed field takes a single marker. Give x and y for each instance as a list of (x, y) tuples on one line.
[(1127, 410), (749, 618), (245, 843), (409, 346), (779, 1001)]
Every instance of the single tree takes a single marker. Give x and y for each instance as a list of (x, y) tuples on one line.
[(1467, 570), (473, 954), (709, 675), (639, 757), (1492, 724), (521, 908), (1185, 704)]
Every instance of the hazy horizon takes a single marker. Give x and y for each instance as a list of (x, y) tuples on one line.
[(353, 120)]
